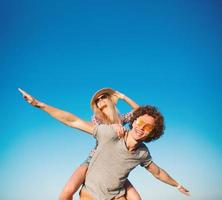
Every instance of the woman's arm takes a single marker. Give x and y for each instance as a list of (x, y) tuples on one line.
[(63, 116), (128, 100)]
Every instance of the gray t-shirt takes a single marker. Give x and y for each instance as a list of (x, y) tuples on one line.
[(111, 164)]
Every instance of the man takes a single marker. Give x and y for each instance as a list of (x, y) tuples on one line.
[(116, 157)]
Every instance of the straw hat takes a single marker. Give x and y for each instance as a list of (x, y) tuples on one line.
[(108, 91)]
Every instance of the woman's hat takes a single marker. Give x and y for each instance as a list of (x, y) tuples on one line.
[(108, 91)]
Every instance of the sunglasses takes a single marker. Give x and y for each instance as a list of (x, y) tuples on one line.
[(143, 125), (104, 96)]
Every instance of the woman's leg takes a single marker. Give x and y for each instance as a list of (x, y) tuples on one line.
[(120, 198), (73, 184), (131, 193), (84, 195)]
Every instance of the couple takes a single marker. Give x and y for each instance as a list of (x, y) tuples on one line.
[(118, 152)]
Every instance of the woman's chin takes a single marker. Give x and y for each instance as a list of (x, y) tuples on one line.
[(102, 108)]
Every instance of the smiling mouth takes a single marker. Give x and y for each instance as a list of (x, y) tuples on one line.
[(139, 132)]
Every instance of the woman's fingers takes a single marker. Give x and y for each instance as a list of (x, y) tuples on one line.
[(26, 96), (119, 129), (22, 91)]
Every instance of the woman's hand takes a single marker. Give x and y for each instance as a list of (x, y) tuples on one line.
[(119, 95), (119, 129), (31, 100)]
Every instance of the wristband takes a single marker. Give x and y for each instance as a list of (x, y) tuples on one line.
[(179, 186)]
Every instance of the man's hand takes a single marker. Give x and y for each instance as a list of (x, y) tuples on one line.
[(163, 176), (119, 129), (183, 190), (31, 100)]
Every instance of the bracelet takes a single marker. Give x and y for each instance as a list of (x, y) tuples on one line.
[(179, 186)]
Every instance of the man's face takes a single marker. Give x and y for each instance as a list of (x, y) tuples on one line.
[(142, 127)]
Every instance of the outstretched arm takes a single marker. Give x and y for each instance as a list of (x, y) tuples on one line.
[(63, 116), (163, 176), (132, 103)]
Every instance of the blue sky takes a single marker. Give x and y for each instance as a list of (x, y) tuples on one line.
[(164, 53)]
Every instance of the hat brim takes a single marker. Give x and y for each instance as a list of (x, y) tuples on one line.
[(108, 91)]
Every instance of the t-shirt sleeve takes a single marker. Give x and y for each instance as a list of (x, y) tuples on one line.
[(95, 120), (104, 133), (147, 159)]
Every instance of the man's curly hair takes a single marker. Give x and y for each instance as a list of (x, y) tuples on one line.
[(152, 111)]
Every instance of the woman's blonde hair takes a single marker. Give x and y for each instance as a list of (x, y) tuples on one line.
[(114, 117)]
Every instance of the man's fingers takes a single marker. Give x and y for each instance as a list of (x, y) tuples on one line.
[(185, 191)]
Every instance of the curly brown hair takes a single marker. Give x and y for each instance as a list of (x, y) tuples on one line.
[(152, 111)]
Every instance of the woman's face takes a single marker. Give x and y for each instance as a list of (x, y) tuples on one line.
[(102, 101)]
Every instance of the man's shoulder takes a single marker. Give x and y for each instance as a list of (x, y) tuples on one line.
[(144, 155), (143, 149), (142, 146)]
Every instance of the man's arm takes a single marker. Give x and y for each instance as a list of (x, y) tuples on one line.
[(163, 176), (63, 116)]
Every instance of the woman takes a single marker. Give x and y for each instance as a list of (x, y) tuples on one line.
[(103, 104)]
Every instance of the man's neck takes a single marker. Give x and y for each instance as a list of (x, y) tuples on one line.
[(131, 144)]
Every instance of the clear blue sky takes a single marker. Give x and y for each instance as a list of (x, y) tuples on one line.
[(164, 53)]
